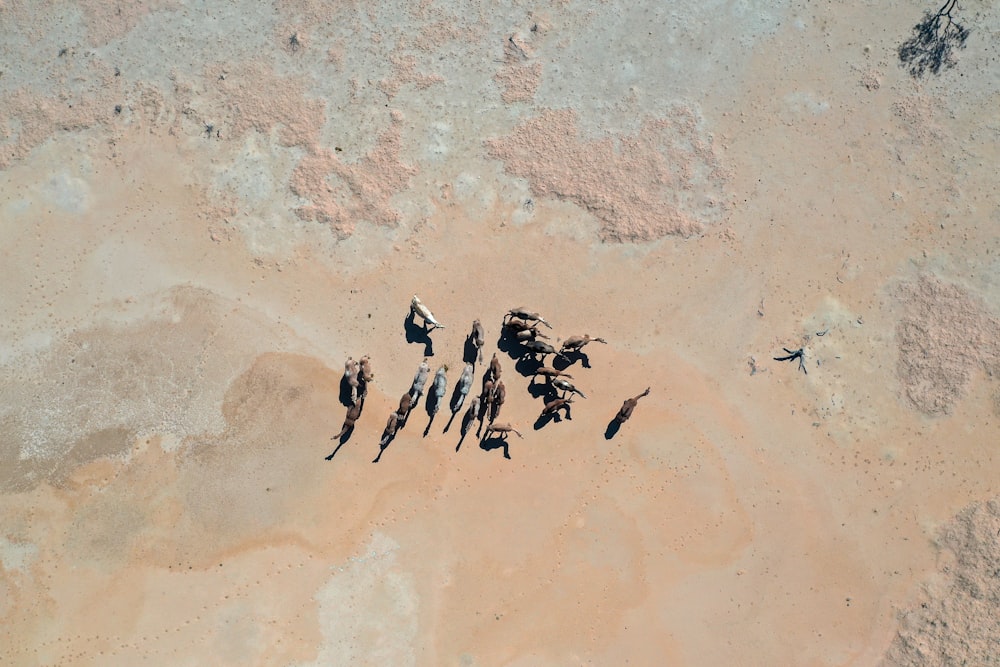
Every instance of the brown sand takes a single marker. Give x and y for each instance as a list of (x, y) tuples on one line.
[(180, 303)]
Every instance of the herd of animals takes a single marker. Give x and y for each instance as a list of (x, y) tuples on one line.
[(520, 327)]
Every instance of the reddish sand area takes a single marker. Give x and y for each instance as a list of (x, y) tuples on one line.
[(753, 210)]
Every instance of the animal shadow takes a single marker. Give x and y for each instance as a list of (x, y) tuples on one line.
[(343, 440), (489, 444), (470, 353), (527, 365), (545, 419), (418, 334), (511, 347), (612, 429), (571, 357), (543, 390), (383, 447), (345, 392)]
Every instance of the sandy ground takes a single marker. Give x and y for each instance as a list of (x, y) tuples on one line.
[(206, 208)]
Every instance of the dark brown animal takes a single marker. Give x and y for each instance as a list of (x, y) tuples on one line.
[(548, 373), (495, 369), (485, 399), (574, 343), (353, 413), (628, 406), (525, 314), (470, 415), (538, 347), (499, 396), (405, 405)]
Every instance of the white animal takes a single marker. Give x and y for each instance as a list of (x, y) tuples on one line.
[(418, 307)]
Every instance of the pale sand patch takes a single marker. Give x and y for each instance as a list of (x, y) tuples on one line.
[(664, 180)]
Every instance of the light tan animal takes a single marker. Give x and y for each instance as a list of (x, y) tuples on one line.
[(351, 370), (503, 430), (628, 406), (418, 307), (366, 369), (574, 343)]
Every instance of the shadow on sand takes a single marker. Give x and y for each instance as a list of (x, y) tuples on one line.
[(489, 444), (418, 334)]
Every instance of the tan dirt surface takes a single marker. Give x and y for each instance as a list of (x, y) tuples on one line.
[(206, 209)]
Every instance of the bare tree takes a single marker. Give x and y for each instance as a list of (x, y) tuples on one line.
[(933, 43)]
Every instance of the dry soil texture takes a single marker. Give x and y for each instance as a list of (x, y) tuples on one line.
[(207, 207)]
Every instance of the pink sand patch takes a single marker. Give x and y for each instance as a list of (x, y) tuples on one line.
[(945, 335), (341, 194)]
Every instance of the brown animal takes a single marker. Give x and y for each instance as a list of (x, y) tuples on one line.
[(574, 343), (525, 314), (552, 407), (549, 373), (499, 396), (628, 406), (485, 399), (391, 427), (470, 415), (523, 329), (503, 430), (529, 334), (405, 405), (353, 413), (495, 370), (366, 369), (516, 324), (478, 338), (543, 348)]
